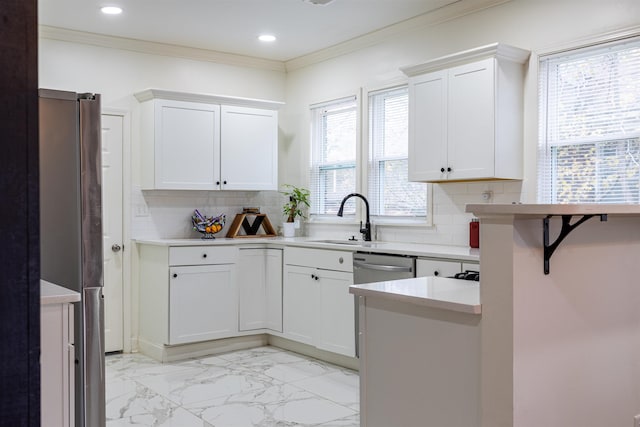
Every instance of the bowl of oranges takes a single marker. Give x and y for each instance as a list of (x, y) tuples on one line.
[(207, 225)]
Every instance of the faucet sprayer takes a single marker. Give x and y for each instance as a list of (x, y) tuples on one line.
[(366, 231)]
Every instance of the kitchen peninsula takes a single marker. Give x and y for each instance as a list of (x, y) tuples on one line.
[(556, 349)]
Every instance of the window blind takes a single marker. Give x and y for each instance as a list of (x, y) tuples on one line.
[(589, 105), (333, 155), (390, 192)]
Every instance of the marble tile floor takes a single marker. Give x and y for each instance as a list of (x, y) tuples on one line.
[(263, 386)]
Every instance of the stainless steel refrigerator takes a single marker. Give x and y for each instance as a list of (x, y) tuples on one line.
[(71, 231)]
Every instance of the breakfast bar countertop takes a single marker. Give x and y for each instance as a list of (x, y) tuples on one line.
[(435, 292)]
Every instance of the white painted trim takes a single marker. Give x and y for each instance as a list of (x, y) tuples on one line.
[(443, 14), (429, 19), (154, 48), (127, 303), (533, 195), (149, 94), (591, 40), (498, 50), (390, 84), (165, 353)]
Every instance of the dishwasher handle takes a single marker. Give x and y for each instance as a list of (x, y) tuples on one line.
[(382, 267)]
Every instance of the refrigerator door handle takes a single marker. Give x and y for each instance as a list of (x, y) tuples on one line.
[(91, 188), (94, 370)]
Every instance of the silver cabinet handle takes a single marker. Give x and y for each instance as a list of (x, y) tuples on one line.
[(381, 267), (116, 247)]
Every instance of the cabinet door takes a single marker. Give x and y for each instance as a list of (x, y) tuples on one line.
[(252, 289), (274, 289), (260, 289), (474, 266), (187, 145), (202, 303), (471, 120), (299, 308), (437, 267), (428, 127), (57, 365), (249, 148), (336, 316)]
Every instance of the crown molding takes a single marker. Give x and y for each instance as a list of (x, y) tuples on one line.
[(154, 48), (590, 40), (149, 94), (446, 13), (454, 10), (497, 50)]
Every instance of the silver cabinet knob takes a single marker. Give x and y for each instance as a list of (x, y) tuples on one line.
[(341, 260), (116, 247)]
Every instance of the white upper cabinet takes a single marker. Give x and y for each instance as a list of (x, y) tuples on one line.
[(207, 142), (250, 148), (466, 114), (181, 145)]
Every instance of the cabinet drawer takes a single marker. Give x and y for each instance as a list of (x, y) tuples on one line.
[(202, 255), (318, 258), (437, 267), (469, 265)]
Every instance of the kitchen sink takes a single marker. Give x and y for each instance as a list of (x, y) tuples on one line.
[(342, 242)]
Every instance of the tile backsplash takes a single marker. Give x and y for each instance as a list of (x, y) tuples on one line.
[(166, 214)]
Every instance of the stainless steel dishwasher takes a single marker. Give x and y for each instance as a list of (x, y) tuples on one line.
[(370, 268)]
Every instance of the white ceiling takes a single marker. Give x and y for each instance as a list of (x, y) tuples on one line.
[(232, 26)]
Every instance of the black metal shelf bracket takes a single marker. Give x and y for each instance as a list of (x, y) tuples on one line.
[(567, 228)]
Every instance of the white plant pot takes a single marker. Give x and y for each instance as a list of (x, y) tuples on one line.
[(289, 229)]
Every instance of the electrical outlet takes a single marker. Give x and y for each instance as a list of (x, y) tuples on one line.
[(636, 421)]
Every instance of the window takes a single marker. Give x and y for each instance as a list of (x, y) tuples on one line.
[(390, 192), (333, 155), (589, 150)]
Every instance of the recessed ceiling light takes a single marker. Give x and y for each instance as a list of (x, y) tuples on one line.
[(267, 38), (111, 10)]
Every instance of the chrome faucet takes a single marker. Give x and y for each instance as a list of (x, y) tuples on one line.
[(366, 231)]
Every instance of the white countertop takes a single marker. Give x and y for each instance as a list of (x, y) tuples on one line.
[(436, 292), (51, 293), (414, 249), (542, 210)]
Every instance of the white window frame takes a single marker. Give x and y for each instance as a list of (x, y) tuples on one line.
[(313, 129), (382, 219), (544, 168), (362, 166)]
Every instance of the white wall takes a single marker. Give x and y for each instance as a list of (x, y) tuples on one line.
[(117, 74), (538, 25), (563, 349)]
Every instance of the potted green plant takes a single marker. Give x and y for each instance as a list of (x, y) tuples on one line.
[(298, 199)]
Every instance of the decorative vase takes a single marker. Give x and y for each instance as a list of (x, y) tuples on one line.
[(289, 229)]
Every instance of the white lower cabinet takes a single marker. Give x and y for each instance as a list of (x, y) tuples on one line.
[(202, 303), (260, 289), (317, 307), (336, 317), (437, 267), (57, 367), (443, 267), (193, 294), (188, 294), (300, 302)]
